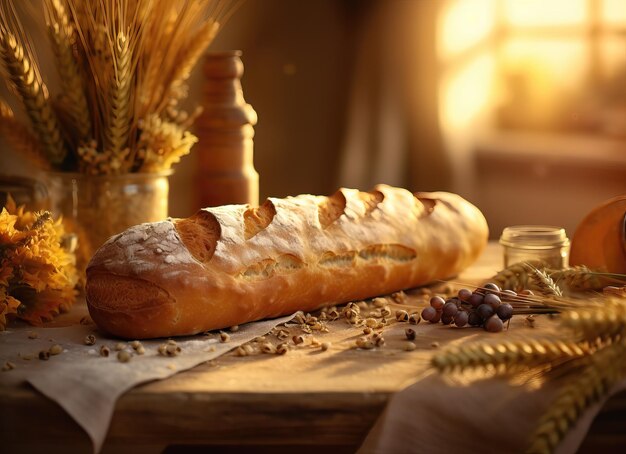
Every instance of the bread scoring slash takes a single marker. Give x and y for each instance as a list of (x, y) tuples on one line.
[(234, 264)]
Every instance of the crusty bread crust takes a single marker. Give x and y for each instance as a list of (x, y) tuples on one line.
[(234, 264)]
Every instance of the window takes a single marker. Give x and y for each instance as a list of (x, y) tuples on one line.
[(557, 65)]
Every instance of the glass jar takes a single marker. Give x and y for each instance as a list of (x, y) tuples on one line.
[(95, 208), (524, 243), (25, 191)]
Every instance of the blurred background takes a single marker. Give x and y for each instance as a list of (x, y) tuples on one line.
[(518, 105)]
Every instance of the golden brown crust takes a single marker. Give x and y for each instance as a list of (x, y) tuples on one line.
[(234, 264)]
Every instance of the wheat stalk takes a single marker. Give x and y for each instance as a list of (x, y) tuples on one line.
[(515, 276), (20, 138), (602, 321), (599, 373), (33, 93), (119, 115), (544, 282), (507, 354), (62, 36), (197, 45), (112, 76), (582, 278)]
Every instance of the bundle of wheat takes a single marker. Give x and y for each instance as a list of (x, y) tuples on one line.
[(123, 66)]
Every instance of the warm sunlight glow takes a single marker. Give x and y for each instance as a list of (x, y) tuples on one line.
[(613, 53), (464, 23), (467, 93), (614, 12), (560, 61), (533, 13)]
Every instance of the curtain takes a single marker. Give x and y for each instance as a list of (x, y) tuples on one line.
[(392, 130)]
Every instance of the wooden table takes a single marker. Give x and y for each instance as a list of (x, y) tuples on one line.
[(298, 402)]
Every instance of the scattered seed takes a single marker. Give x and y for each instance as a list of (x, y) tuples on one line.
[(425, 291), (268, 348), (90, 339), (282, 334), (371, 322), (434, 344), (8, 366), (56, 349), (135, 344), (104, 351), (414, 319), (317, 326), (380, 341), (282, 348), (224, 336), (297, 340), (171, 342), (325, 346), (299, 318), (379, 302), (399, 297), (385, 311), (120, 346), (123, 356), (410, 346), (311, 320), (234, 328), (362, 305), (28, 356), (172, 350), (323, 317), (381, 325), (315, 342), (140, 350), (402, 316), (85, 321), (366, 344), (245, 350), (33, 335), (530, 321), (305, 328), (409, 333), (333, 314), (367, 330), (44, 355), (351, 314)]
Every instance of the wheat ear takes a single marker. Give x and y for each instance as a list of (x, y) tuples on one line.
[(120, 114), (20, 138), (198, 44), (602, 370), (34, 95), (544, 282), (582, 278), (605, 321), (515, 276), (507, 354), (63, 39)]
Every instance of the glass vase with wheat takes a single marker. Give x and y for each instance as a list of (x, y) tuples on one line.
[(110, 135)]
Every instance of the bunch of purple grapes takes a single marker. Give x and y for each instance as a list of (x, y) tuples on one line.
[(481, 307)]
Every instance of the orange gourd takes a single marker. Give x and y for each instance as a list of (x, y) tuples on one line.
[(599, 240)]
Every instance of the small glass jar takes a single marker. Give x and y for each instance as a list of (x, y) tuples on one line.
[(523, 243), (95, 208)]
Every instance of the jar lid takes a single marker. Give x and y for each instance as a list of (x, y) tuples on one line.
[(534, 237)]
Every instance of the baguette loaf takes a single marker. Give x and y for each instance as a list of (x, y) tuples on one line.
[(234, 264)]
